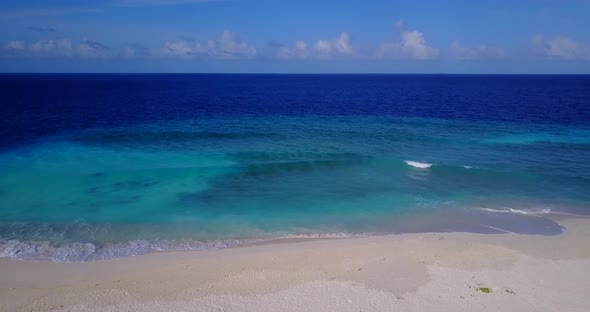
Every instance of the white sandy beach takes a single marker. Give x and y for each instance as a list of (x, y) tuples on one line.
[(411, 272)]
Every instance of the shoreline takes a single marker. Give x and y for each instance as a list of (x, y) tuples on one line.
[(417, 272), (475, 221)]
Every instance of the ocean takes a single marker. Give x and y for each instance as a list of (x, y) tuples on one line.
[(99, 166)]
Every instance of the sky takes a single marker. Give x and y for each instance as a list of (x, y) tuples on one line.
[(295, 36)]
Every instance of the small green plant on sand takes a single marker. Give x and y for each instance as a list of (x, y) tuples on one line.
[(484, 290)]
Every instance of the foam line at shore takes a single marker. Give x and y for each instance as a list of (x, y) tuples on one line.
[(88, 252)]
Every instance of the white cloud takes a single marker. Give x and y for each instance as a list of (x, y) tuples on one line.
[(16, 45), (459, 52), (136, 50), (321, 49), (412, 45), (60, 47), (298, 51), (94, 49), (336, 47), (227, 46), (560, 47), (181, 49)]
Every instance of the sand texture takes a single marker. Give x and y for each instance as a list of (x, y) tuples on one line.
[(410, 272)]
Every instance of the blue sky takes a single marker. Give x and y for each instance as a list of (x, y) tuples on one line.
[(284, 36)]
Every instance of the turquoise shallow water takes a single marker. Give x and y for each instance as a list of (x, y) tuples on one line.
[(101, 166), (105, 192)]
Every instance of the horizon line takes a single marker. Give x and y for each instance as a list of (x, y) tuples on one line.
[(281, 73)]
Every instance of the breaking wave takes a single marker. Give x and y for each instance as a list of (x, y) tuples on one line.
[(519, 211), (88, 252), (417, 164)]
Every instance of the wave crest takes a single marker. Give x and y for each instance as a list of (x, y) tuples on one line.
[(86, 252), (417, 164), (519, 211)]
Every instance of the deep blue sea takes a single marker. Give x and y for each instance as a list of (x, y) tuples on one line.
[(102, 166)]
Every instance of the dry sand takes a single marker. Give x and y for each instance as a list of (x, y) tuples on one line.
[(412, 272)]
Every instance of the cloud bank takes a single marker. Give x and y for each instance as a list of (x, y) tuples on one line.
[(228, 45), (410, 44), (325, 49), (58, 48), (560, 47)]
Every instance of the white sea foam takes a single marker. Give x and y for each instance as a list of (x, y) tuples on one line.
[(519, 211), (467, 167), (323, 235), (87, 252), (417, 164)]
